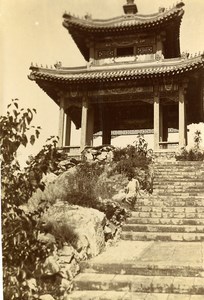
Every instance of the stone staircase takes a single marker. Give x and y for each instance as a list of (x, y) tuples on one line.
[(175, 210), (161, 254)]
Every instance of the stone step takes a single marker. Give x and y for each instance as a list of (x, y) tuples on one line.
[(112, 295), (192, 180), (165, 221), (170, 202), (198, 168), (170, 209), (177, 195), (162, 236), (139, 283), (183, 176), (164, 192), (176, 170), (177, 215), (194, 169), (177, 188), (179, 175), (163, 228), (173, 166), (143, 268)]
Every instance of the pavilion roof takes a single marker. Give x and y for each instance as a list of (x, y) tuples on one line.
[(117, 72), (125, 22)]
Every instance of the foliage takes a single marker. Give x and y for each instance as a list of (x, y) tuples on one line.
[(109, 184), (14, 129), (63, 233), (81, 186), (134, 161), (21, 248), (113, 211), (197, 139), (193, 154), (89, 184), (45, 161)]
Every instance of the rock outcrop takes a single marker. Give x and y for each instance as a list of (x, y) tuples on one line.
[(62, 265)]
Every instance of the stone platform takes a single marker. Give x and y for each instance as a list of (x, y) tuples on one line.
[(144, 270)]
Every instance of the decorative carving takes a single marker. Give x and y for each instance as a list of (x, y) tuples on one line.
[(119, 98), (169, 95), (144, 50), (88, 16), (127, 41), (122, 90), (185, 55), (169, 86), (159, 56), (58, 65), (73, 94), (72, 103), (105, 53)]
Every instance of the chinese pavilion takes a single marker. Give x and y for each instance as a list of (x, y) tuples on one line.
[(135, 78)]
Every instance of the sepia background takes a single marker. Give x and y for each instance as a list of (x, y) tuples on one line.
[(32, 31)]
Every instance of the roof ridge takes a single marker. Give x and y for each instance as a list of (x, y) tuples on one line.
[(87, 19)]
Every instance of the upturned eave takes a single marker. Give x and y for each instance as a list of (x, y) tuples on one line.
[(115, 72)]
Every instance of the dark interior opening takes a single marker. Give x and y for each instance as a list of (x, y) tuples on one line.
[(125, 51)]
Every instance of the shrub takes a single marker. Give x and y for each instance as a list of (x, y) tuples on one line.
[(134, 161), (81, 199), (109, 184), (80, 186), (22, 251), (195, 153), (113, 211)]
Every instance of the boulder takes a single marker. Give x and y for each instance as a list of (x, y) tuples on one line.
[(87, 223), (48, 178), (100, 153), (51, 266), (66, 254)]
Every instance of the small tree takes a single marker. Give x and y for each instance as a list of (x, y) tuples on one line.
[(21, 249), (195, 153), (197, 139)]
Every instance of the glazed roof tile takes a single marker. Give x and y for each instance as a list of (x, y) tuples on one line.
[(125, 22), (94, 74)]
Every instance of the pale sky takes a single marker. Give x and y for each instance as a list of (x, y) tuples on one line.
[(32, 31)]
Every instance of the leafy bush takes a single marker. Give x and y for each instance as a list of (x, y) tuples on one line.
[(193, 154), (109, 184), (90, 186), (22, 251), (113, 211), (80, 186), (81, 199), (134, 161)]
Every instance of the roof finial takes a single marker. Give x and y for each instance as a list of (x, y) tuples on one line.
[(130, 7)]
